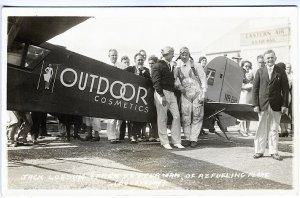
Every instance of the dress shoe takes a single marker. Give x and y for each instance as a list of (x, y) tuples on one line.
[(88, 138), (179, 146), (257, 155), (244, 134), (16, 144), (194, 144), (77, 137), (21, 140), (114, 141), (167, 146), (13, 144), (21, 143), (133, 140), (276, 156), (212, 130), (47, 135), (152, 139), (186, 143), (81, 131), (34, 141), (96, 139), (202, 132), (284, 134)]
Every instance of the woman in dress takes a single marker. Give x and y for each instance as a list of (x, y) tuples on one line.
[(246, 94)]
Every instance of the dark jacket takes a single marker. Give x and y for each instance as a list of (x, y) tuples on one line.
[(274, 92), (144, 72), (162, 77)]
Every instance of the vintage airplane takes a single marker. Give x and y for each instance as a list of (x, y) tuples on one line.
[(49, 78), (43, 77)]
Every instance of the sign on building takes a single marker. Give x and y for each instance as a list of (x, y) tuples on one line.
[(264, 37)]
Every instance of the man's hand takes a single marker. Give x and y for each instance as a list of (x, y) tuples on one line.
[(164, 101), (201, 97), (256, 109), (284, 110), (182, 89)]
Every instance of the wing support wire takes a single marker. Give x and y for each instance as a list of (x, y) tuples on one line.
[(220, 111), (224, 130)]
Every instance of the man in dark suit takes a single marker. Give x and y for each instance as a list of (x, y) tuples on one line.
[(140, 70), (163, 83), (270, 101)]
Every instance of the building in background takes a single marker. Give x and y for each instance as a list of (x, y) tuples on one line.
[(254, 37), (251, 38)]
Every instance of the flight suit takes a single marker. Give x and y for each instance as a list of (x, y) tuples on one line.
[(192, 108)]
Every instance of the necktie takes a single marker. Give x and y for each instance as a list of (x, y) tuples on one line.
[(169, 66)]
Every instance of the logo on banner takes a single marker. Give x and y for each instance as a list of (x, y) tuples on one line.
[(47, 77)]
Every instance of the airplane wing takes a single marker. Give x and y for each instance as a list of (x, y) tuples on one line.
[(239, 111), (37, 30)]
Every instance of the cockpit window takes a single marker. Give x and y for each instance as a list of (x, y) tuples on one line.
[(33, 55), (14, 55)]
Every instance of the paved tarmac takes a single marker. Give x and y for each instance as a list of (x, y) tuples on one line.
[(215, 165)]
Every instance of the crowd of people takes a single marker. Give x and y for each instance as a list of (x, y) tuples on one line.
[(180, 90)]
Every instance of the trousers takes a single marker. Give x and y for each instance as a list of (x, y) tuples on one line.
[(113, 129), (92, 123), (267, 131), (12, 125), (162, 118), (18, 125)]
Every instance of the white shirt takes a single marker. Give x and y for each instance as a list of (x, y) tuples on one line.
[(118, 64), (270, 71)]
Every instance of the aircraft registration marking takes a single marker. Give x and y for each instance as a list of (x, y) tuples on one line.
[(230, 98)]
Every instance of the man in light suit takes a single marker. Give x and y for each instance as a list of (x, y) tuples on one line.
[(270, 101)]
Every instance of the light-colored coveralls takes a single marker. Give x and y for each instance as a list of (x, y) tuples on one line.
[(192, 107)]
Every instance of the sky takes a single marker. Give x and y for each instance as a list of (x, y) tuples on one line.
[(130, 29)]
